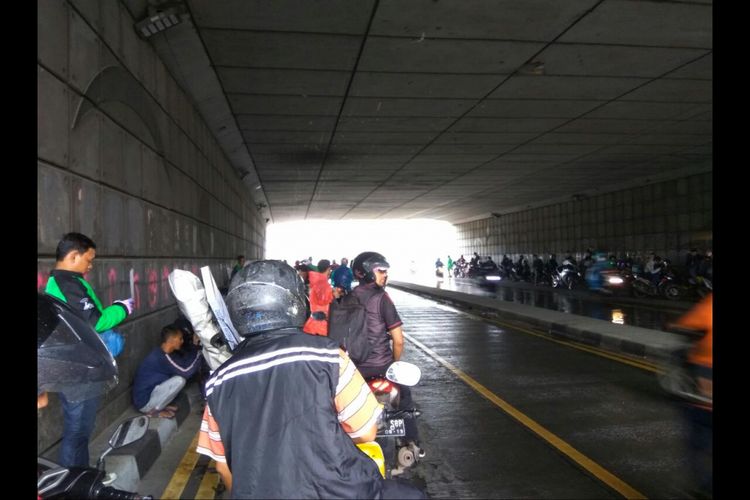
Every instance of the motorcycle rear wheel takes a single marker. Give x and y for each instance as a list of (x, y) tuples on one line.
[(405, 457)]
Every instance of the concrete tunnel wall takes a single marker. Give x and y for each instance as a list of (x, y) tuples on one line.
[(125, 158), (667, 217)]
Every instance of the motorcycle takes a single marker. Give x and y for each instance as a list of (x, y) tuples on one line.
[(666, 287), (460, 270), (390, 450), (485, 274), (57, 482), (566, 276), (616, 281)]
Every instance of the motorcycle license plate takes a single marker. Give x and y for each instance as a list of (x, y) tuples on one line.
[(393, 428)]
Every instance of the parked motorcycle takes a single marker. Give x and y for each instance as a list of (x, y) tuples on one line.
[(666, 287), (57, 482), (460, 270), (567, 276), (390, 450)]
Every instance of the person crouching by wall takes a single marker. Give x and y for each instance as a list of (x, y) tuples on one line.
[(162, 374)]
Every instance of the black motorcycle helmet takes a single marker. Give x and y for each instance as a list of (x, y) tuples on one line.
[(71, 356), (364, 265), (266, 295)]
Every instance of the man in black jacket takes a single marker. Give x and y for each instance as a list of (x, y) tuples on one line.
[(285, 410)]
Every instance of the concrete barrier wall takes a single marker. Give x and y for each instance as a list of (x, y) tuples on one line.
[(125, 158), (667, 217)]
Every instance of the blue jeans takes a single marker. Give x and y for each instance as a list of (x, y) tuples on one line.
[(78, 424)]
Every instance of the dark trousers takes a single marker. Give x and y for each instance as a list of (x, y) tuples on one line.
[(405, 400), (394, 489), (700, 446), (78, 424)]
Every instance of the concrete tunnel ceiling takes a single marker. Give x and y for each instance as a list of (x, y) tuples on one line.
[(454, 109)]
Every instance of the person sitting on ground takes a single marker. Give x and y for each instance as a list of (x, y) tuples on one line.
[(162, 374)]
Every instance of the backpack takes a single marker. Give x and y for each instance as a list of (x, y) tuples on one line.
[(347, 325)]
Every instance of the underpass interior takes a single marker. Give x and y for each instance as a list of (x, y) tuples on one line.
[(509, 413), (534, 127)]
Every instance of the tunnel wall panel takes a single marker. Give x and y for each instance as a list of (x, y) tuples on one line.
[(125, 158)]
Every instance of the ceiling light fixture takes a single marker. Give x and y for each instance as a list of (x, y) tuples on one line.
[(159, 21)]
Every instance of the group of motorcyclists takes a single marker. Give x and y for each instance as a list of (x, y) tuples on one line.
[(600, 271)]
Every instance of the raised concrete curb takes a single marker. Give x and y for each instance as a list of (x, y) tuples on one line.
[(624, 339), (132, 462)]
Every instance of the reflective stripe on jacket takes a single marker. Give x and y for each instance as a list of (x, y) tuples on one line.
[(273, 401)]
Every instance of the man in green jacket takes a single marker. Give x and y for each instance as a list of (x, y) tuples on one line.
[(75, 255)]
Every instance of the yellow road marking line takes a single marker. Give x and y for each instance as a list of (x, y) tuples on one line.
[(209, 482), (182, 474), (592, 467), (638, 363)]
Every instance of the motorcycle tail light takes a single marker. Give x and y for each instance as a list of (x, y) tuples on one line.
[(381, 385)]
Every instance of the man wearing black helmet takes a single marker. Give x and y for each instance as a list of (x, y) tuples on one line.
[(383, 326), (283, 413)]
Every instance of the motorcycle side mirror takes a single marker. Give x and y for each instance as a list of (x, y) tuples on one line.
[(403, 373), (129, 431)]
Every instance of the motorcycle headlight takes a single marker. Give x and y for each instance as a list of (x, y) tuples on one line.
[(615, 280), (492, 278)]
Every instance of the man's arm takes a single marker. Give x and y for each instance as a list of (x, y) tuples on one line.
[(183, 365), (357, 408), (397, 335), (392, 324)]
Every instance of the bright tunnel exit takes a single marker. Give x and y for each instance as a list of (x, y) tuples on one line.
[(410, 246)]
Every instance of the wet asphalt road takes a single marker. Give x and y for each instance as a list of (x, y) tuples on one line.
[(647, 312), (612, 413)]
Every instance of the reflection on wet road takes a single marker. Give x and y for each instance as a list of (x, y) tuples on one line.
[(645, 313), (506, 414)]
